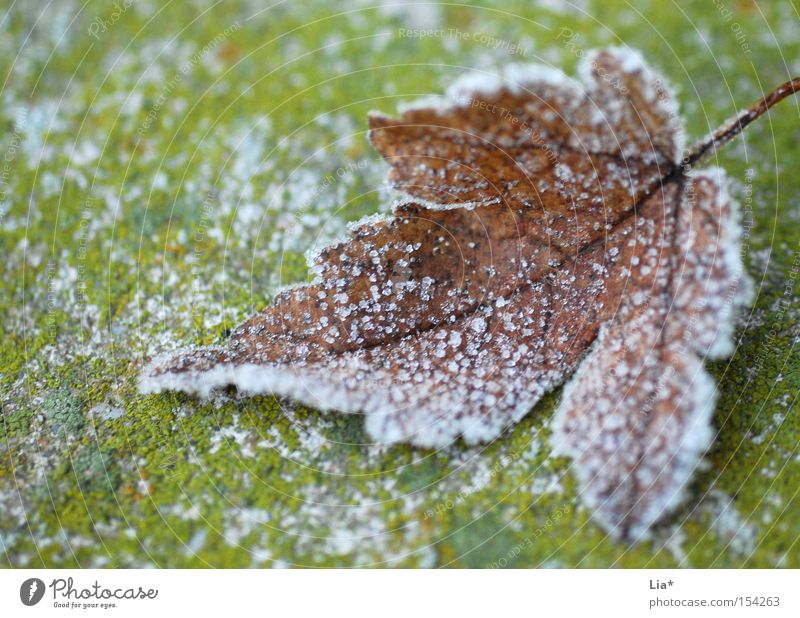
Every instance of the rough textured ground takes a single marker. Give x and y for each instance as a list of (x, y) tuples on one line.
[(164, 168)]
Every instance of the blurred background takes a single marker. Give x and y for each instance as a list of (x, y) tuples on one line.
[(164, 168)]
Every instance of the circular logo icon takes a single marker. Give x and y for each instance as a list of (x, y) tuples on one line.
[(31, 591)]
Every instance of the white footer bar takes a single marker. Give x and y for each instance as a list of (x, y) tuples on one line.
[(401, 593)]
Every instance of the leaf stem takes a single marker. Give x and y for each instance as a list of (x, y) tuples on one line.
[(733, 126)]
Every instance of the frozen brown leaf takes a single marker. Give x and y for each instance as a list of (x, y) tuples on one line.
[(547, 226)]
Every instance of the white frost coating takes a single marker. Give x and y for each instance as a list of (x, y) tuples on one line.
[(522, 77), (694, 437), (253, 379), (406, 199), (330, 392), (659, 461), (517, 78), (313, 252), (598, 107), (464, 89), (659, 93), (710, 268), (729, 247), (633, 468), (631, 61), (435, 102), (560, 443), (372, 219)]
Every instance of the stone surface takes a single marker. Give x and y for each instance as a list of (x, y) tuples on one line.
[(159, 189)]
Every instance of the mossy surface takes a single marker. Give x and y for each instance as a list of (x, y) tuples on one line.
[(166, 167)]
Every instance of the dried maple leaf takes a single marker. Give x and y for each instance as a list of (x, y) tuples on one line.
[(550, 226)]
